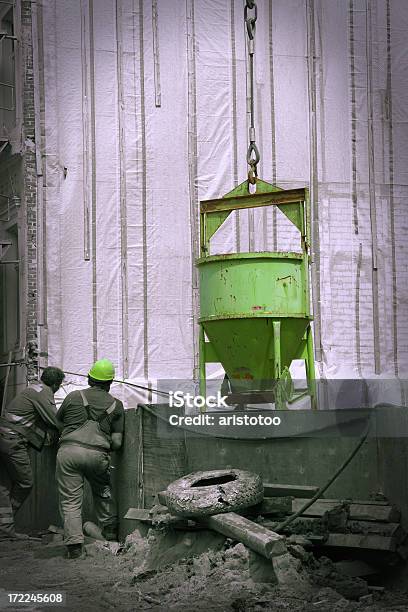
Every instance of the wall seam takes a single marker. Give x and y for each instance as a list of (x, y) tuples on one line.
[(273, 123), (144, 192), (122, 198), (234, 119), (371, 188), (93, 185), (193, 173), (389, 107)]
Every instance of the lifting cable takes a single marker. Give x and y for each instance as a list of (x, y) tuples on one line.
[(253, 155), (322, 489), (122, 382)]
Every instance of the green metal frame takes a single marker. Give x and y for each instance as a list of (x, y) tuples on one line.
[(295, 205)]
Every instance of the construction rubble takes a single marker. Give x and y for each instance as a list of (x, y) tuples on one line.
[(341, 555)]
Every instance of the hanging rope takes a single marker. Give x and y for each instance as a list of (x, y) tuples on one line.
[(253, 156)]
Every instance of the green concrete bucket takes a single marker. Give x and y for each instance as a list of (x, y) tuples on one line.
[(255, 307)]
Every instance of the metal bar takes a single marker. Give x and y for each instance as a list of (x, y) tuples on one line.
[(156, 55), (85, 63), (288, 196), (276, 349), (93, 180), (193, 172), (203, 234), (3, 403), (353, 117), (141, 460), (314, 230), (143, 140), (371, 189), (234, 118), (273, 124), (12, 363), (122, 194), (310, 368), (202, 372), (390, 125), (11, 261), (357, 310)]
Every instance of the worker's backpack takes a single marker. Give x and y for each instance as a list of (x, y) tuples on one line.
[(90, 433)]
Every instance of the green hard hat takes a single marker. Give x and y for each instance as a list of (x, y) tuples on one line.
[(102, 369)]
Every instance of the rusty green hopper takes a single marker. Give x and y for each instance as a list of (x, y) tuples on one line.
[(255, 307)]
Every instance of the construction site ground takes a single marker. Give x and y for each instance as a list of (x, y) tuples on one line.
[(120, 579)]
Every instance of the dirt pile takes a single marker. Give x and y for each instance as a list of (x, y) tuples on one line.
[(231, 577)]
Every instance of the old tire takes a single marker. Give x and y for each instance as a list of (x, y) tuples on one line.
[(213, 492)]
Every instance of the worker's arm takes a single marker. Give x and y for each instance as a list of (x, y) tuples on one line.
[(47, 411), (60, 412), (117, 427)]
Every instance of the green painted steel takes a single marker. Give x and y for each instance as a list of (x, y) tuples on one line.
[(255, 307), (252, 284)]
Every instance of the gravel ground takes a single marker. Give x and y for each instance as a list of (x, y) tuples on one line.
[(132, 578)]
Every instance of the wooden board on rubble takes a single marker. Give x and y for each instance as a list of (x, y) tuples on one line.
[(386, 529), (366, 502), (271, 506), (362, 541), (284, 490), (366, 512), (139, 514)]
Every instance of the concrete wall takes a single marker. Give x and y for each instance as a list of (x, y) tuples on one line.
[(148, 462)]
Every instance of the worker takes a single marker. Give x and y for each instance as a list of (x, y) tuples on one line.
[(93, 422), (29, 420)]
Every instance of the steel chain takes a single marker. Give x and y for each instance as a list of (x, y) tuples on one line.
[(253, 155), (250, 21)]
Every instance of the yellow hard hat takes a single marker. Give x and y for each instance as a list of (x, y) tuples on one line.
[(103, 369)]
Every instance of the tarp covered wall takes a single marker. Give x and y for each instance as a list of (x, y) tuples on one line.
[(144, 114)]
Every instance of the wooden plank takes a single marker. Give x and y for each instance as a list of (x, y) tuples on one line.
[(366, 542), (283, 490), (317, 509), (355, 501), (263, 541), (359, 512), (386, 529), (366, 512), (275, 506), (138, 514)]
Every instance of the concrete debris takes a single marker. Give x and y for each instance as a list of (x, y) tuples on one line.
[(327, 575), (230, 577)]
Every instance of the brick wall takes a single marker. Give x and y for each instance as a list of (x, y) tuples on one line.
[(29, 179)]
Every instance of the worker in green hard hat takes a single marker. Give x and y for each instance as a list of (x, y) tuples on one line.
[(93, 423)]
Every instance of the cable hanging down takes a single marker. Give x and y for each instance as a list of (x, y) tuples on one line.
[(253, 155)]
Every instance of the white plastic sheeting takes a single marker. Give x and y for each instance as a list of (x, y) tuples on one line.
[(124, 176)]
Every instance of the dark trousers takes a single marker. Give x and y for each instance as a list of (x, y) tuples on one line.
[(16, 479), (74, 464)]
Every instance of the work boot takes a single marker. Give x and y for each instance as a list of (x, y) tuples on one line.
[(74, 551)]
